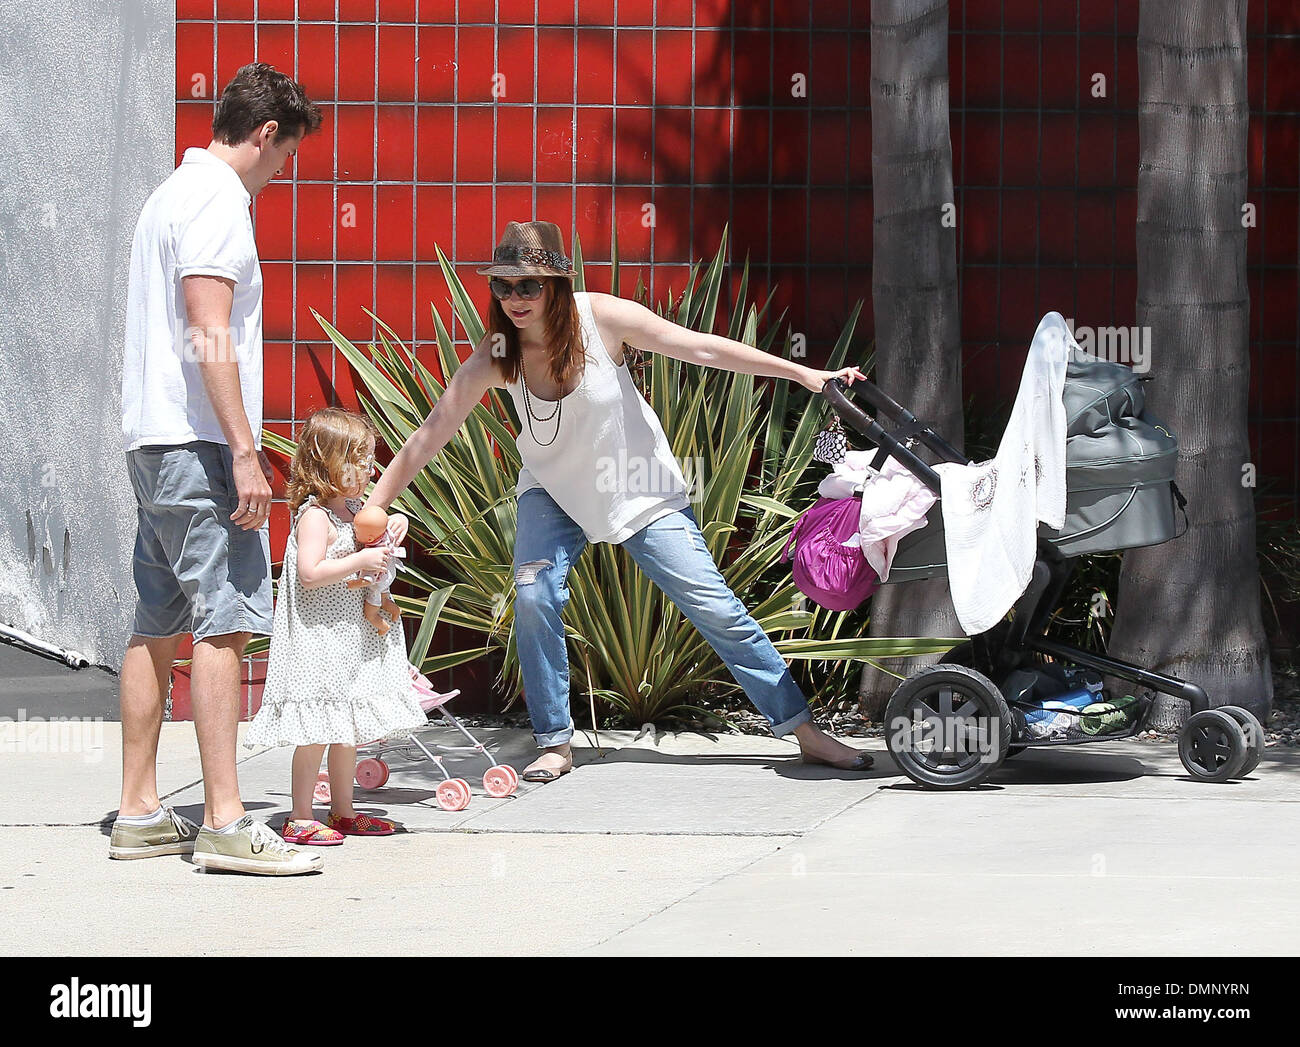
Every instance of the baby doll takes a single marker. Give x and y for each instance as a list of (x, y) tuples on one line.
[(370, 526)]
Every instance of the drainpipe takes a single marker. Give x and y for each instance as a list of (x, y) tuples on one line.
[(72, 659)]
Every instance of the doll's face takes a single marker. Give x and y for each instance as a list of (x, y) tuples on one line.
[(357, 473), (370, 523)]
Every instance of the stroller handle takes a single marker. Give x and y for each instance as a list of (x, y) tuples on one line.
[(837, 395)]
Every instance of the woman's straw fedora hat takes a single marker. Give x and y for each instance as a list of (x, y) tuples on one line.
[(530, 249)]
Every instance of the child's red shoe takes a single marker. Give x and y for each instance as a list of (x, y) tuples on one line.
[(310, 833), (362, 825)]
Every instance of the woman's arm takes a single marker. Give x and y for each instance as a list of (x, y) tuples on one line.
[(638, 326), (314, 570), (467, 387)]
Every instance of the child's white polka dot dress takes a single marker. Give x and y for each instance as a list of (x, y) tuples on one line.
[(331, 678)]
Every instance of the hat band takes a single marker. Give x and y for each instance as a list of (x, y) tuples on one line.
[(532, 256)]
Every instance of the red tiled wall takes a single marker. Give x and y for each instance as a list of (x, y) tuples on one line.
[(612, 104), (1046, 180)]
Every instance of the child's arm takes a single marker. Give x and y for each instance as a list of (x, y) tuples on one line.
[(314, 570)]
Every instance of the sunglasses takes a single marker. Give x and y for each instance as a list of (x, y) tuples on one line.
[(529, 290)]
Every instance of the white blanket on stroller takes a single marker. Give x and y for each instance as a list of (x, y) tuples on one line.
[(894, 504), (991, 510)]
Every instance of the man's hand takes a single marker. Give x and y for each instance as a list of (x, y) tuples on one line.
[(254, 492)]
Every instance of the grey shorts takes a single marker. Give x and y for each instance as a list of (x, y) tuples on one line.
[(195, 571)]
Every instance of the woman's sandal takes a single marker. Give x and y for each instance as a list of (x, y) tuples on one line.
[(533, 773), (310, 832), (861, 762), (362, 825)]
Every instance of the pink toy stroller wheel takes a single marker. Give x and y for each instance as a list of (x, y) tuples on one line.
[(372, 773), (499, 782), (453, 795), (321, 793), (514, 775)]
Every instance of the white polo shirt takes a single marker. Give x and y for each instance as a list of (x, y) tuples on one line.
[(195, 223)]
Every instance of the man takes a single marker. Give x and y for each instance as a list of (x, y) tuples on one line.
[(191, 424)]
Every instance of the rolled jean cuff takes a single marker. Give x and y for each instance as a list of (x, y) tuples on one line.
[(560, 737), (801, 717)]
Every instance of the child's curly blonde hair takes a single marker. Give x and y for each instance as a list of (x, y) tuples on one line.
[(331, 456)]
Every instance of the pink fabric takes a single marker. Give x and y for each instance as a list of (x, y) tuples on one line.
[(893, 504), (828, 566)]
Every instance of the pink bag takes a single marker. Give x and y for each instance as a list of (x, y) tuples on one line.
[(828, 572)]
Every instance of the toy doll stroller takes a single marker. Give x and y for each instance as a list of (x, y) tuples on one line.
[(950, 725), (452, 794)]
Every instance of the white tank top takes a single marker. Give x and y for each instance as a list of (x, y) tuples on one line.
[(610, 466)]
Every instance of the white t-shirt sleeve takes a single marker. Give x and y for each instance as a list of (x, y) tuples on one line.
[(217, 240)]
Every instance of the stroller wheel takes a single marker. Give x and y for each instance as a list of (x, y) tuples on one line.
[(948, 727), (321, 792), (453, 795), (500, 782), (1254, 732), (372, 773), (1212, 746)]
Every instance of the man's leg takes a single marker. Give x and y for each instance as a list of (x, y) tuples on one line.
[(215, 691), (162, 617), (146, 670)]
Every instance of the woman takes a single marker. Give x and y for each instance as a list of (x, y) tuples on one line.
[(598, 467)]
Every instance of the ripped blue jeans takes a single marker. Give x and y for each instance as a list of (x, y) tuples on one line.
[(672, 553)]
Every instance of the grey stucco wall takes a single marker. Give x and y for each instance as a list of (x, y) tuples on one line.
[(87, 130)]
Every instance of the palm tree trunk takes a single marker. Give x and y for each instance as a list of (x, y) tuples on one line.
[(1191, 607), (914, 275)]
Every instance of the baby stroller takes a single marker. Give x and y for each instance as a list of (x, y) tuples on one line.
[(949, 726)]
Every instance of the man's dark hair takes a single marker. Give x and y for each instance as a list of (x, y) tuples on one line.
[(258, 93)]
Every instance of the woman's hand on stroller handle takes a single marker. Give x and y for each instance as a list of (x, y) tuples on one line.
[(814, 380)]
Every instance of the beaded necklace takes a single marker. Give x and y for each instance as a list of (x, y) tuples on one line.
[(528, 406)]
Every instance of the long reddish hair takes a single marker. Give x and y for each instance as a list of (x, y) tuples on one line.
[(326, 462), (566, 353)]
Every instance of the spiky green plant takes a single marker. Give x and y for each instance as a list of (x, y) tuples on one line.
[(631, 647)]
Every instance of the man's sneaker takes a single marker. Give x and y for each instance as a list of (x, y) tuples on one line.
[(253, 847), (175, 834)]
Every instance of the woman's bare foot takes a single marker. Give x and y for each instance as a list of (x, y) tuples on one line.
[(555, 761), (819, 747)]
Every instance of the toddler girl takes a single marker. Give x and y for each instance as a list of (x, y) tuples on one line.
[(332, 679)]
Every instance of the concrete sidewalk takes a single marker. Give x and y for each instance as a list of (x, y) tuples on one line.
[(679, 843)]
